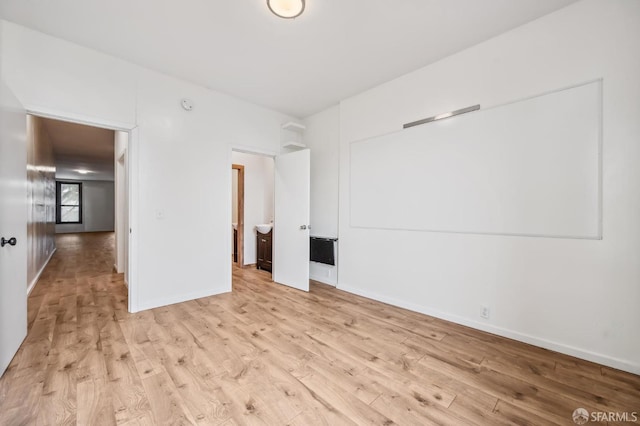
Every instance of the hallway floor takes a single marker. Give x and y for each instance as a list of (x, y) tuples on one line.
[(269, 354)]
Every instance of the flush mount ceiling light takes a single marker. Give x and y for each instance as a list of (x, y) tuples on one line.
[(287, 9)]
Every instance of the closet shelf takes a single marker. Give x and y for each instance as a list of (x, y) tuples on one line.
[(292, 125), (293, 144)]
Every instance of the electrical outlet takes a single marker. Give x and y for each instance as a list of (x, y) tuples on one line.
[(484, 311)]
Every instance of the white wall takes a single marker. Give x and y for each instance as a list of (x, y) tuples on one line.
[(98, 208), (181, 179), (322, 136), (258, 197), (49, 74), (41, 196), (575, 296)]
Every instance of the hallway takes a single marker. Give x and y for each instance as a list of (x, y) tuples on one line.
[(269, 354), (72, 317)]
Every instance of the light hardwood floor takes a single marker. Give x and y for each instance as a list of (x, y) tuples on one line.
[(268, 354)]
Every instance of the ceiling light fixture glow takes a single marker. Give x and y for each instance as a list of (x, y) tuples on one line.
[(83, 171), (287, 9)]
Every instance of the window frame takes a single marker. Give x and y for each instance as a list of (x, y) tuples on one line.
[(59, 205)]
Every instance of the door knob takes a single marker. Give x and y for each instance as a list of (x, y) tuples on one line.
[(303, 227), (11, 241)]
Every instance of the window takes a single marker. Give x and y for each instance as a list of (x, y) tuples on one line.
[(68, 202)]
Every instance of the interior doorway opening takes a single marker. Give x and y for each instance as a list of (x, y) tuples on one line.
[(276, 229), (103, 170), (71, 188), (237, 214), (252, 215)]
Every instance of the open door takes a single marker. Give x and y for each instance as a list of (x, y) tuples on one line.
[(291, 227), (13, 226)]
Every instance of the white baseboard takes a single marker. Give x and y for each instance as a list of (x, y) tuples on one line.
[(115, 271), (33, 282), (620, 364), (323, 280), (178, 298)]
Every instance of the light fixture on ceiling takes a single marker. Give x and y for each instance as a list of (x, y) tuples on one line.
[(83, 171), (287, 9)]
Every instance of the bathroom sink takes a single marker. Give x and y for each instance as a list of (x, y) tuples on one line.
[(264, 228)]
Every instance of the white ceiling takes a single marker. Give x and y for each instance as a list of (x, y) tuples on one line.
[(76, 146), (336, 49)]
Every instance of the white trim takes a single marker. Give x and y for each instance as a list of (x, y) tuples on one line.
[(620, 364), (33, 282), (45, 112), (133, 149), (179, 298), (115, 267), (247, 149), (228, 271), (121, 191)]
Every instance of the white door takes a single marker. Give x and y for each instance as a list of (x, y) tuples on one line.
[(13, 226), (291, 224)]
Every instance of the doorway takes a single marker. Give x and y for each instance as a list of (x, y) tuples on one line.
[(281, 232), (237, 213), (104, 172), (252, 212)]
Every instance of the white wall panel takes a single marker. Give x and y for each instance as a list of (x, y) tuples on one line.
[(574, 296), (529, 168)]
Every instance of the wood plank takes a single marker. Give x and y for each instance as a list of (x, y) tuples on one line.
[(268, 354), (166, 403), (349, 405), (94, 403)]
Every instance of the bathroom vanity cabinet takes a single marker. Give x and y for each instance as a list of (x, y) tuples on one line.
[(264, 250), (235, 245)]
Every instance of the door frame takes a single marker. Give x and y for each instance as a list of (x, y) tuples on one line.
[(254, 151), (132, 183), (121, 224), (240, 224), (246, 150)]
